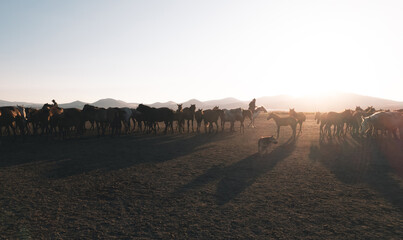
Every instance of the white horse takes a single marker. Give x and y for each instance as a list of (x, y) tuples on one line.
[(255, 114), (384, 121), (231, 116)]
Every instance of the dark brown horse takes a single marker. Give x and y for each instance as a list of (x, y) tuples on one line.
[(179, 117), (189, 114), (199, 119), (71, 120), (115, 116), (210, 117), (11, 118), (138, 117), (97, 116), (54, 113), (155, 115)]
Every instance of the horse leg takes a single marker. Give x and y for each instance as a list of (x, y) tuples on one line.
[(98, 130), (127, 126), (242, 128), (183, 125), (134, 125)]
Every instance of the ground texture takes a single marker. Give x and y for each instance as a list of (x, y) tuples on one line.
[(202, 186)]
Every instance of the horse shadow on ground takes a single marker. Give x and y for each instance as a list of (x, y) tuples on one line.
[(364, 160), (75, 156), (235, 178)]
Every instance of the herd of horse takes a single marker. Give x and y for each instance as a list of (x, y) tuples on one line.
[(63, 122), (360, 122), (53, 120)]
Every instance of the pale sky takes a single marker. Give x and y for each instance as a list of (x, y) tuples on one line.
[(149, 51)]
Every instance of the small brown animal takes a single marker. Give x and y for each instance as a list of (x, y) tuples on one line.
[(264, 143)]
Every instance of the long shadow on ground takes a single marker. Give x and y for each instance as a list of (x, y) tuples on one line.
[(362, 160), (76, 156), (234, 179)]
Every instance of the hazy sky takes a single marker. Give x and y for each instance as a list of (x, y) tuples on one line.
[(148, 51)]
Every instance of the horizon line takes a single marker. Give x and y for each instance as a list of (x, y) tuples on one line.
[(223, 98)]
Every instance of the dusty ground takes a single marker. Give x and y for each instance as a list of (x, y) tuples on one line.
[(202, 186)]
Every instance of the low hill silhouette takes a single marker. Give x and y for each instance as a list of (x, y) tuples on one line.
[(331, 102)]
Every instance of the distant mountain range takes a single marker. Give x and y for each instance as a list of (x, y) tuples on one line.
[(332, 102)]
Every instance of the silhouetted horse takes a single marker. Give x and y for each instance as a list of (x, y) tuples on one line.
[(71, 120), (114, 120), (179, 118), (96, 116), (285, 121), (189, 114), (155, 115), (334, 119), (321, 118), (211, 116), (138, 117), (367, 112), (300, 116), (11, 118), (199, 119), (348, 120), (54, 113), (126, 115), (246, 113)]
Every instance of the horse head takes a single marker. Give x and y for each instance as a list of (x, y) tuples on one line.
[(179, 107), (271, 115), (261, 109), (365, 124)]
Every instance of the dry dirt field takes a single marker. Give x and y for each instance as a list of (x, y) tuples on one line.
[(202, 186)]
